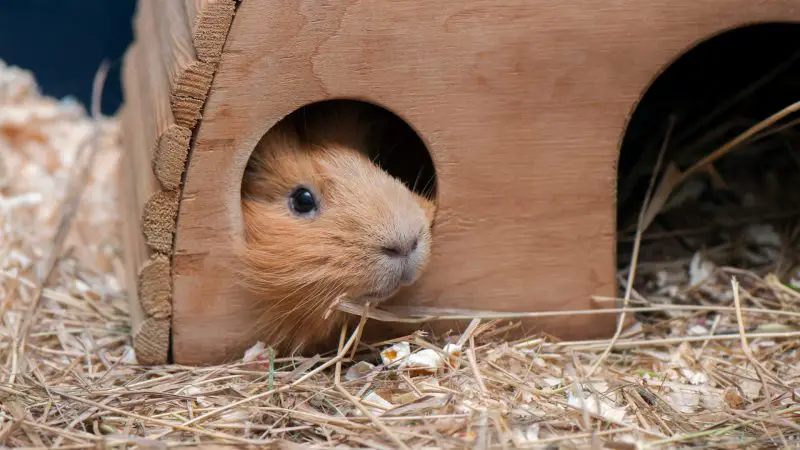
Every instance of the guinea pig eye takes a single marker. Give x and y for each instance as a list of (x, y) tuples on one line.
[(302, 201)]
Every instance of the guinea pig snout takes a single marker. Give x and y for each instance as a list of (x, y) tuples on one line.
[(401, 246), (404, 253)]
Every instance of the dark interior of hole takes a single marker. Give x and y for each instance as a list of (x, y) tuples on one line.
[(714, 92), (397, 148)]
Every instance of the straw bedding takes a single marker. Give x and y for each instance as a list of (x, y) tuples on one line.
[(708, 357)]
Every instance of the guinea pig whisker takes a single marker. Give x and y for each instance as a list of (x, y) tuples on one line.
[(314, 298), (416, 180), (310, 282), (427, 190)]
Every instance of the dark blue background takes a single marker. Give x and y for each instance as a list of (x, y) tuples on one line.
[(63, 43)]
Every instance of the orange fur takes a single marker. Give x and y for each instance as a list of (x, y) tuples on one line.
[(297, 266)]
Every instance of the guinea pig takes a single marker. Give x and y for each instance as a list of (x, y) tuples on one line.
[(323, 220)]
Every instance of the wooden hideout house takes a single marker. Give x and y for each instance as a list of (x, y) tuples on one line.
[(521, 107)]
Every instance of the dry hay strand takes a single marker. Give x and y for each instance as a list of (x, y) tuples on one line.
[(708, 366)]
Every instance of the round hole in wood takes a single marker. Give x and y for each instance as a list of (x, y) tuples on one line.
[(397, 148), (708, 96)]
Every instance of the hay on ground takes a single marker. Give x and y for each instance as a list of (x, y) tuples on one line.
[(682, 375)]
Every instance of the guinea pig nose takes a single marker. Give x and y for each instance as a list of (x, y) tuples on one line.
[(401, 247)]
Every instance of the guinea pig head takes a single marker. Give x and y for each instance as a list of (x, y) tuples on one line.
[(322, 221)]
